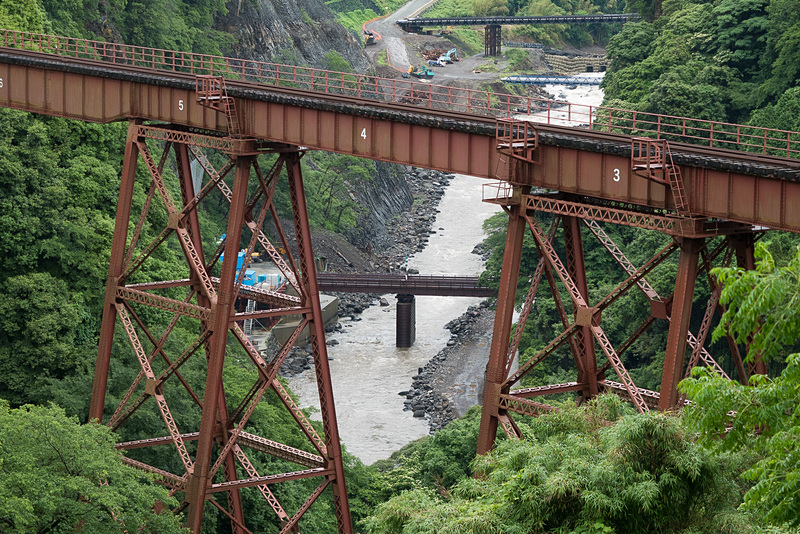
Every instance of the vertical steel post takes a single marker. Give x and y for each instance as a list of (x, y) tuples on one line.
[(501, 333), (679, 323), (576, 267), (192, 224), (115, 269), (220, 322), (316, 329), (744, 245)]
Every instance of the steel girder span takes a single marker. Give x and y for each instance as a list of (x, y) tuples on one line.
[(418, 124), (712, 202)]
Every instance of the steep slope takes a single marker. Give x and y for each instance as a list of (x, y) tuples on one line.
[(299, 33)]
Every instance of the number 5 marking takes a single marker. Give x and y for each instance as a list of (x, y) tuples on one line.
[(180, 105), (616, 175), (1, 83), (364, 133)]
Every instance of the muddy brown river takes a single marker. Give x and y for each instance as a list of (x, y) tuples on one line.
[(367, 369)]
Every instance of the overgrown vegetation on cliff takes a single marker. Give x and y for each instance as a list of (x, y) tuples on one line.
[(727, 60), (352, 14)]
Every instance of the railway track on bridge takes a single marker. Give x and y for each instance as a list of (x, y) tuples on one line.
[(384, 99)]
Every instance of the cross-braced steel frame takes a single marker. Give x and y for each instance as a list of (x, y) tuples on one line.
[(581, 319), (220, 453), (492, 41)]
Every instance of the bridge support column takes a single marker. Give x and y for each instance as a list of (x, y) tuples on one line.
[(498, 352), (115, 269), (199, 479), (316, 327), (679, 322), (584, 341), (492, 40), (220, 465), (506, 393), (405, 326)]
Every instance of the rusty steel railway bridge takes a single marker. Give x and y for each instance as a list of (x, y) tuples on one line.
[(713, 187)]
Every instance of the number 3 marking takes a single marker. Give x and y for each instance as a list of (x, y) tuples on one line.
[(180, 105), (1, 83), (364, 133), (616, 175)]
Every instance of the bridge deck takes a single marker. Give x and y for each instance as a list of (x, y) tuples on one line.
[(415, 123), (415, 24), (436, 285)]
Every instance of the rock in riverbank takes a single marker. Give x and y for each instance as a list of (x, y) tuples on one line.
[(452, 381), (406, 234)]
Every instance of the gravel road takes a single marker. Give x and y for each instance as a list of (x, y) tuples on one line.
[(402, 49)]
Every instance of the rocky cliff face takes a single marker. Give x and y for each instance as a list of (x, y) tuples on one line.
[(302, 32), (386, 195), (297, 32)]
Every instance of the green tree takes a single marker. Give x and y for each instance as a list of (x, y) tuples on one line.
[(58, 476), (38, 327), (783, 115), (782, 59), (23, 15), (575, 474), (680, 92), (762, 310), (633, 44), (490, 8), (741, 33)]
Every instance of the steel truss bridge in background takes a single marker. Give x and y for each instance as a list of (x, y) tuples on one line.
[(712, 188), (547, 80), (492, 24)]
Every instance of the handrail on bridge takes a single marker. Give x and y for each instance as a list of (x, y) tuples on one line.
[(767, 141), (419, 22)]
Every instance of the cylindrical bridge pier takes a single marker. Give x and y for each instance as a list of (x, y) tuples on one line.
[(406, 329)]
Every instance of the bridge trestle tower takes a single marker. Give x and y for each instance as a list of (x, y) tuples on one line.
[(209, 452), (600, 357), (492, 40)]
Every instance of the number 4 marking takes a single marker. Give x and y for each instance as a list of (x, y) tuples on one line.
[(364, 133)]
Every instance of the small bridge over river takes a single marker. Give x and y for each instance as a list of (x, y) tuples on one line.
[(406, 286), (712, 188)]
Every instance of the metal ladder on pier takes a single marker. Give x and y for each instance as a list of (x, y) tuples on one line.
[(212, 93), (518, 139), (652, 159), (518, 142)]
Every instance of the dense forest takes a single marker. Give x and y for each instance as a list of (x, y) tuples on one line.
[(725, 60), (576, 472)]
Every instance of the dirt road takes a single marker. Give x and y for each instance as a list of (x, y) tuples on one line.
[(403, 49)]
